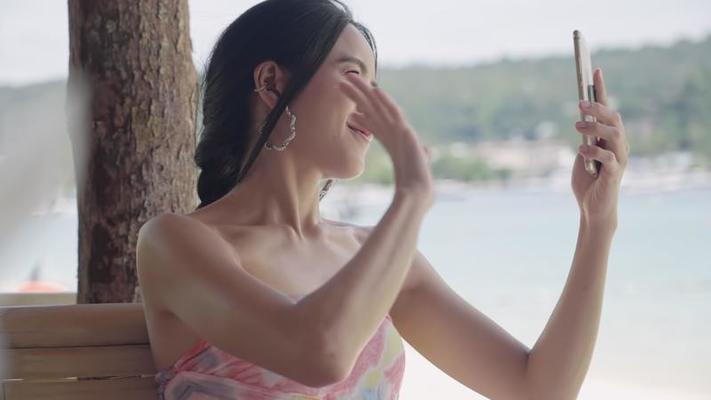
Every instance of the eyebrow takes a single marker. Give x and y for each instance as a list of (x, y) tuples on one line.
[(354, 60)]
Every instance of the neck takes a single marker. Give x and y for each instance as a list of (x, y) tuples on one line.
[(278, 191)]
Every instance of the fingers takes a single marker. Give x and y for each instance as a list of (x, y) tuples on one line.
[(609, 125), (360, 119), (611, 166), (367, 91), (600, 88), (428, 152), (601, 112), (599, 109), (392, 108), (356, 94), (613, 136)]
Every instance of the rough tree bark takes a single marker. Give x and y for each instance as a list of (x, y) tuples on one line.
[(134, 58)]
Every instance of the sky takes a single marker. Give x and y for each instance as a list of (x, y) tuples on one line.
[(34, 38)]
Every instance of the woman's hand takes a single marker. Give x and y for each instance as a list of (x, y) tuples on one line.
[(597, 196), (378, 113)]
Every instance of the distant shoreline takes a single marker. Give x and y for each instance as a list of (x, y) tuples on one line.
[(349, 194)]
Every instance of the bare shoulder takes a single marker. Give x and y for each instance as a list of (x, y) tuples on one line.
[(167, 241), (167, 223), (160, 226), (169, 229)]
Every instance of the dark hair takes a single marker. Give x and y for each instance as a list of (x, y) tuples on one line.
[(297, 35)]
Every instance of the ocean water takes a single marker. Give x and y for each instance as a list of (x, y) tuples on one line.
[(508, 253)]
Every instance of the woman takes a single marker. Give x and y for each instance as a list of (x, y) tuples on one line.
[(255, 296)]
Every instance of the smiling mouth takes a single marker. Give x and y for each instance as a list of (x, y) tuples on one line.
[(367, 136)]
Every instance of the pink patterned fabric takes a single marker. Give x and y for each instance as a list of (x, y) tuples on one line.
[(206, 372)]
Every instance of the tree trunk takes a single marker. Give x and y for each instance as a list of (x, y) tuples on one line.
[(134, 146)]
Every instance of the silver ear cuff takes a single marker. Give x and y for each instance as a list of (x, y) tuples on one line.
[(292, 128)]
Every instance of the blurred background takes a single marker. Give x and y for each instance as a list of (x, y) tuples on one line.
[(490, 86)]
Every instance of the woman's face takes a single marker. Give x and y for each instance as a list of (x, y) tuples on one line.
[(323, 111)]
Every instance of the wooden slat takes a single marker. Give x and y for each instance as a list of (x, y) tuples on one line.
[(63, 362), (135, 388), (35, 298), (73, 325)]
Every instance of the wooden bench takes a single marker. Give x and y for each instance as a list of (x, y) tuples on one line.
[(78, 352)]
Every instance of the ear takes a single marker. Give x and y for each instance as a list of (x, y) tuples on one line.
[(269, 74)]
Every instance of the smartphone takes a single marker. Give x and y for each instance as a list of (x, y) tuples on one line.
[(586, 91)]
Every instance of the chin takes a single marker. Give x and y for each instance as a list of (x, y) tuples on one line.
[(350, 170)]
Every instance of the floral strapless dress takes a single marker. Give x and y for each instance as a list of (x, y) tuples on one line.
[(206, 372)]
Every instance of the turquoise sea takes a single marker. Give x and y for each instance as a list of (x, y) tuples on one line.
[(508, 253)]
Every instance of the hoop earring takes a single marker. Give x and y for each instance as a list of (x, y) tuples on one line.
[(324, 189), (292, 128)]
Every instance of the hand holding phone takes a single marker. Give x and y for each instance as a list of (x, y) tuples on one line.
[(586, 91)]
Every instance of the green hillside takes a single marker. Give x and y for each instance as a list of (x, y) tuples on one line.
[(663, 93)]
